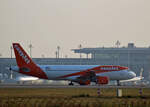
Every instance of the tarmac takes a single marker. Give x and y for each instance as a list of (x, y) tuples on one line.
[(66, 86)]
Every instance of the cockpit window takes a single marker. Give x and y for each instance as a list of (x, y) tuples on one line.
[(47, 68)]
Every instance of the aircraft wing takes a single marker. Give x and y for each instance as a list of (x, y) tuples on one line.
[(139, 78), (90, 76)]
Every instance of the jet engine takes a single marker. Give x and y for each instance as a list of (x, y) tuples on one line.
[(102, 80), (84, 82)]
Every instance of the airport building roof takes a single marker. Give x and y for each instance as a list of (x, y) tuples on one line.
[(130, 48)]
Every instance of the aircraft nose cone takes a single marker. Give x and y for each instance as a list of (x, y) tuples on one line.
[(132, 74)]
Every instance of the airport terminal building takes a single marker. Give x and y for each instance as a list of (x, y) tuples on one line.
[(134, 57)]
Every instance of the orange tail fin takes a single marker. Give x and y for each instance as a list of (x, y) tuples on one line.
[(22, 57), (25, 63)]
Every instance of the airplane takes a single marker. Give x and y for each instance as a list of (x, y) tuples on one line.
[(81, 74)]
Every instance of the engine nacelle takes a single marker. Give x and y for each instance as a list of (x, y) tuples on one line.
[(86, 82), (102, 80)]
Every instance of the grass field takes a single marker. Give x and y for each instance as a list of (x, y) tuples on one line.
[(72, 97)]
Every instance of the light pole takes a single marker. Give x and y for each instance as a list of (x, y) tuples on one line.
[(30, 46), (58, 49), (0, 54), (118, 43), (118, 56), (80, 46), (128, 57)]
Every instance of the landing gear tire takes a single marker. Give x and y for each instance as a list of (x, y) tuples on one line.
[(71, 83), (118, 83)]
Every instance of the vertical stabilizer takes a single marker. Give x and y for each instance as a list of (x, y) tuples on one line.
[(25, 63), (22, 57)]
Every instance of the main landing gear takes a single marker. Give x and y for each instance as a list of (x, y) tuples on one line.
[(71, 83), (118, 83)]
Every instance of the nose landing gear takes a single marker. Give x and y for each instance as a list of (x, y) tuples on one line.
[(71, 83)]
